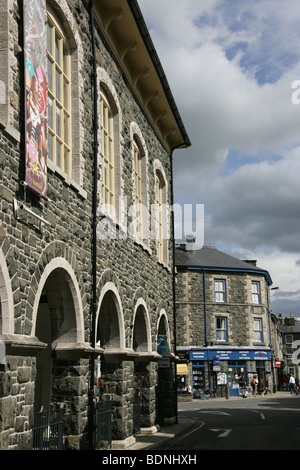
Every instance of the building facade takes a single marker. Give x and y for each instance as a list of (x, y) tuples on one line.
[(289, 328), (87, 130), (223, 322)]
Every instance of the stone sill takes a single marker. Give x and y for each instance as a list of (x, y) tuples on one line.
[(69, 181)]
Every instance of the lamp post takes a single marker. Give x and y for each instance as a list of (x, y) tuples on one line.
[(270, 332)]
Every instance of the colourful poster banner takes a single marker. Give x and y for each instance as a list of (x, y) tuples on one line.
[(34, 13)]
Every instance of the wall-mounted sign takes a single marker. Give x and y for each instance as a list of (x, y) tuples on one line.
[(34, 14), (230, 355)]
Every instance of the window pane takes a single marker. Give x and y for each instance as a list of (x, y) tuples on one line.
[(58, 120), (57, 50), (58, 155), (50, 110), (50, 146), (49, 72)]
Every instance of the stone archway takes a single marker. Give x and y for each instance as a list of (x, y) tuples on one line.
[(166, 391), (55, 324), (62, 365), (141, 339), (144, 389), (6, 299), (114, 366)]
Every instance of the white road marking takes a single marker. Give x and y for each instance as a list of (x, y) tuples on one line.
[(225, 432)]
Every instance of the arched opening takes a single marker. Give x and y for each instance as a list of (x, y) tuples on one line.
[(108, 331), (166, 404), (111, 367), (55, 324), (140, 336), (6, 298)]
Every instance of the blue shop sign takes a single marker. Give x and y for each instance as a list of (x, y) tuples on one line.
[(230, 355)]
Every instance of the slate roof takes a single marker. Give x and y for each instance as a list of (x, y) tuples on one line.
[(211, 258)]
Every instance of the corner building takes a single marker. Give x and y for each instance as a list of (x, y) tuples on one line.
[(88, 126), (224, 322)]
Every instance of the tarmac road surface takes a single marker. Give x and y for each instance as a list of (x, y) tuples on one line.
[(269, 422)]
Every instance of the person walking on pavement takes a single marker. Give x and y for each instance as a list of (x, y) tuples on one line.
[(292, 385), (254, 385), (242, 384)]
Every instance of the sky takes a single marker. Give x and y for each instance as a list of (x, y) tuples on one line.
[(234, 70)]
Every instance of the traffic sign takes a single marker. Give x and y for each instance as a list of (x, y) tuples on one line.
[(278, 362), (216, 361)]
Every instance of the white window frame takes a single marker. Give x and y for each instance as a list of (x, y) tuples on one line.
[(107, 151), (256, 292), (258, 330), (59, 96), (221, 330), (220, 290)]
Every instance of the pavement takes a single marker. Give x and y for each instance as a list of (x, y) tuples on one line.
[(162, 436), (168, 432)]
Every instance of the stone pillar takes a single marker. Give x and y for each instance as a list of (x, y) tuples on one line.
[(117, 386), (70, 390), (17, 377)]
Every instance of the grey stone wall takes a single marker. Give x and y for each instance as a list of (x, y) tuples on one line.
[(28, 253), (239, 309)]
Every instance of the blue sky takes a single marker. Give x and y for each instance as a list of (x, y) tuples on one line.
[(231, 65)]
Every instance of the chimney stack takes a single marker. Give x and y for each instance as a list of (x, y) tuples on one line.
[(190, 241)]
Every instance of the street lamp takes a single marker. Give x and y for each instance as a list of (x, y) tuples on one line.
[(270, 332)]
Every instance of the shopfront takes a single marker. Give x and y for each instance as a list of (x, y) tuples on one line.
[(213, 369)]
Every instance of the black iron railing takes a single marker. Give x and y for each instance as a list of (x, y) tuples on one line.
[(48, 430), (103, 424)]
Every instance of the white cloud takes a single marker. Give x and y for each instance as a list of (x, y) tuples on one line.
[(231, 66)]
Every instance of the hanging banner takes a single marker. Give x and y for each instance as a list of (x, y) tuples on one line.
[(34, 14)]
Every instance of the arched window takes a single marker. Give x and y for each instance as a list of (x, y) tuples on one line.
[(107, 150), (111, 149), (140, 193), (162, 222), (65, 106), (59, 97)]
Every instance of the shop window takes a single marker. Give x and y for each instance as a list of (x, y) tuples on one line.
[(198, 372)]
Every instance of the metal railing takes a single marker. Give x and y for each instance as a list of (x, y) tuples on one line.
[(103, 424), (136, 414), (48, 430)]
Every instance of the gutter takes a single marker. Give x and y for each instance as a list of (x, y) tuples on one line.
[(237, 270)]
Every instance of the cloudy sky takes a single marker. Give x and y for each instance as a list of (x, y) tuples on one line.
[(234, 70)]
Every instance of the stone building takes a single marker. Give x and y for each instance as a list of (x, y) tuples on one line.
[(289, 328), (88, 126), (222, 321)]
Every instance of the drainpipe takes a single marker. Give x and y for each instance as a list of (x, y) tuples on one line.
[(205, 313), (205, 325), (174, 280), (174, 290), (94, 240)]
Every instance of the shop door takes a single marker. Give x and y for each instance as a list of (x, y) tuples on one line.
[(260, 369)]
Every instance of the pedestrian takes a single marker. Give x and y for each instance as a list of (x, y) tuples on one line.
[(254, 385), (292, 385), (242, 384)]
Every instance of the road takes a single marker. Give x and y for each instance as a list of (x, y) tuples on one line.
[(265, 423)]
